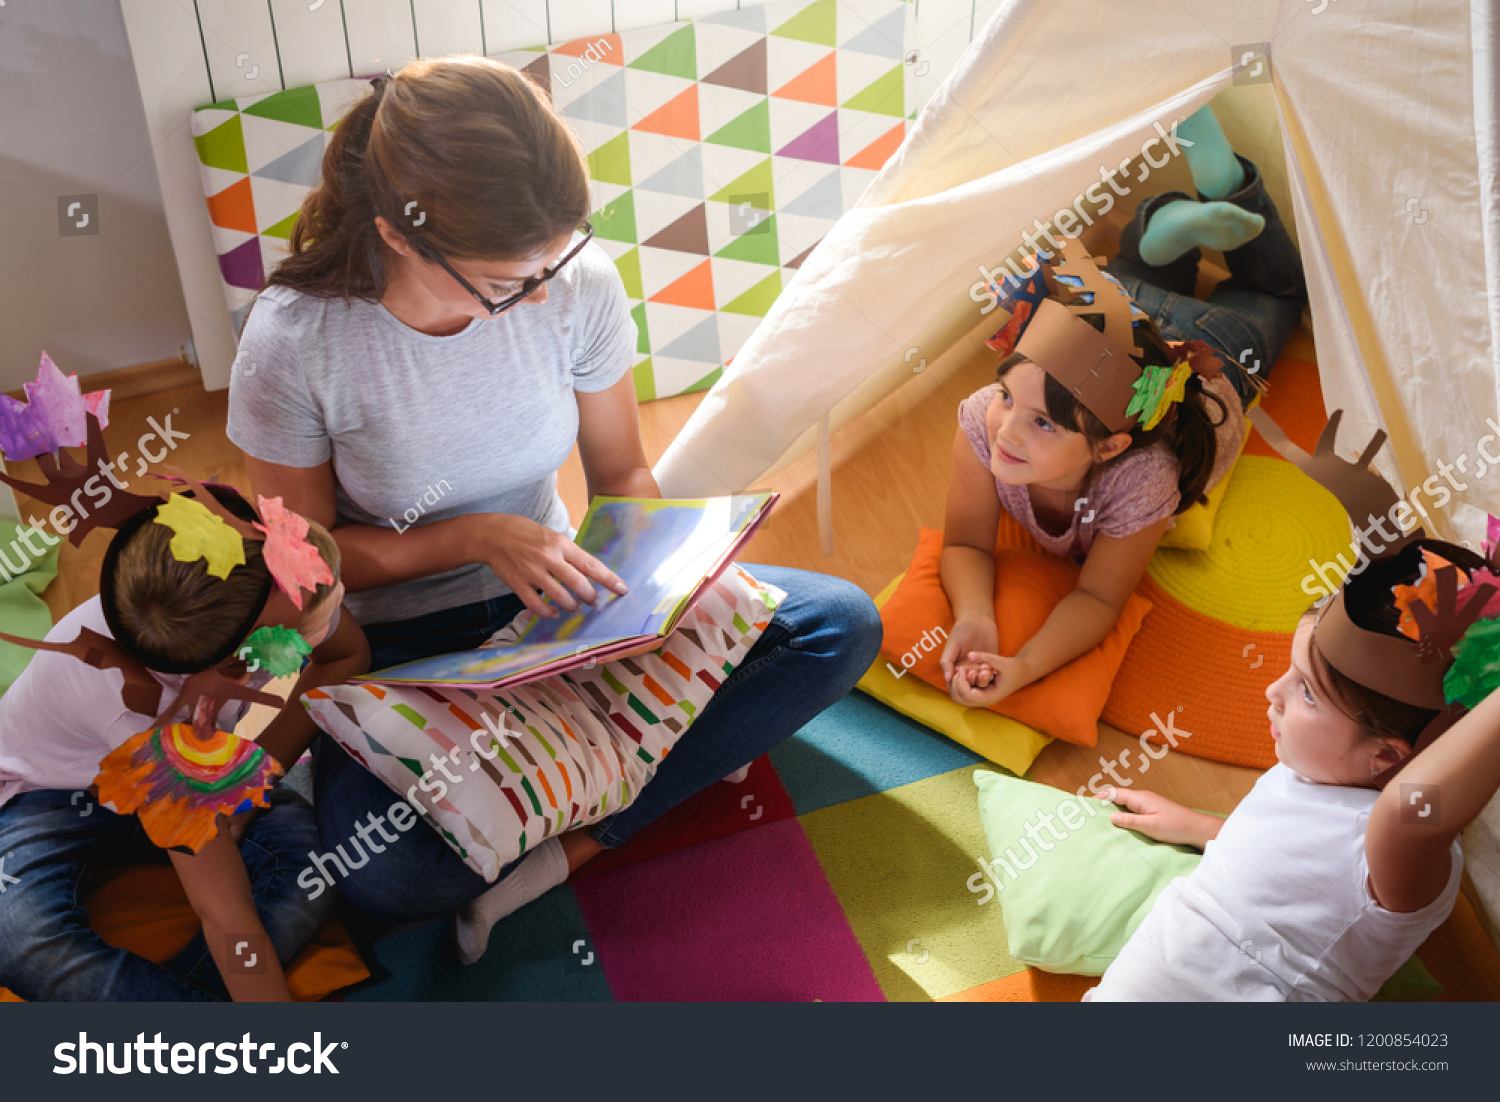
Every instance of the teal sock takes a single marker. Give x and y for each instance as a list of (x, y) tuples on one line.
[(1217, 172), (1183, 225)]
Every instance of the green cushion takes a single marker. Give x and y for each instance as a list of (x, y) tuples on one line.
[(22, 610), (1071, 903), (1412, 983), (1072, 907)]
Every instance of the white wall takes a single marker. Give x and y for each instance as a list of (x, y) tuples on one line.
[(71, 123)]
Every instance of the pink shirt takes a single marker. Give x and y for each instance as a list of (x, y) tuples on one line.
[(1125, 495)]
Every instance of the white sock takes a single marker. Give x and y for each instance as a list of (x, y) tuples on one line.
[(543, 869), (739, 775)]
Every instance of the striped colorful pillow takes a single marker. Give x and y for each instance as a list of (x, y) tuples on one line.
[(497, 772)]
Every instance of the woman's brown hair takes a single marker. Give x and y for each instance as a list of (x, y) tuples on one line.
[(1379, 715), (175, 615), (1188, 430), (469, 147)]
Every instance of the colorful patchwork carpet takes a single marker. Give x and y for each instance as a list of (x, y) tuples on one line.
[(838, 870)]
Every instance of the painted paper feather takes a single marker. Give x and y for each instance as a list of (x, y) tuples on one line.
[(180, 783)]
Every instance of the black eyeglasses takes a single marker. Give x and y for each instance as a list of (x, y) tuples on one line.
[(528, 286)]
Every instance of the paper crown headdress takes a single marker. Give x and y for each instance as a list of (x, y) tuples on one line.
[(180, 777), (1108, 371), (1417, 669)]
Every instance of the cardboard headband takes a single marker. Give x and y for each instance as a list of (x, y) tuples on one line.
[(1416, 668), (57, 416), (1108, 372)]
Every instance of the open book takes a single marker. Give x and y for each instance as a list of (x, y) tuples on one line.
[(666, 551)]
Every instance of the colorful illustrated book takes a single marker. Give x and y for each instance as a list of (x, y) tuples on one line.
[(667, 551)]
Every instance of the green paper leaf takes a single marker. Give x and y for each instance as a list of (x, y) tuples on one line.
[(275, 648)]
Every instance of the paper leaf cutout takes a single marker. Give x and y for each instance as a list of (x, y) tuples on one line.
[(275, 648), (292, 561), (208, 501), (53, 415), (1149, 389), (1476, 579), (1441, 628), (1425, 590), (67, 479), (1475, 672), (179, 783), (1174, 391), (199, 534)]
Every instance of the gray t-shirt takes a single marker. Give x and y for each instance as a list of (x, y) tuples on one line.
[(422, 428)]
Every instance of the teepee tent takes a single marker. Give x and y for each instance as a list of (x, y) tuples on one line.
[(1383, 113)]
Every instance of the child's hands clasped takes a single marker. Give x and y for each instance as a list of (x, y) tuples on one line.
[(984, 678), (978, 677)]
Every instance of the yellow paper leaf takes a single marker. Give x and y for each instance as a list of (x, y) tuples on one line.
[(199, 534)]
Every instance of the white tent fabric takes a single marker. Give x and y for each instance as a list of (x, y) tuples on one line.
[(1386, 112), (1387, 116)]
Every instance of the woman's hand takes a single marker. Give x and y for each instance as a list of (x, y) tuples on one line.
[(528, 556), (1159, 818)]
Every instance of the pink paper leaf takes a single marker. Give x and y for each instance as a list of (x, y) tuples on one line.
[(292, 561)]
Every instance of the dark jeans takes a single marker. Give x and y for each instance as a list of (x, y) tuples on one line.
[(52, 843), (820, 641), (1249, 316)]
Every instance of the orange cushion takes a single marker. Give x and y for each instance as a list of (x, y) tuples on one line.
[(1065, 704)]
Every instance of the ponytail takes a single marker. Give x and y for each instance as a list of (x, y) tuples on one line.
[(496, 171), (1193, 437)]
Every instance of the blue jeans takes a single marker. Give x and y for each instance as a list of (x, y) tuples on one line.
[(818, 644), (1249, 316), (50, 846)]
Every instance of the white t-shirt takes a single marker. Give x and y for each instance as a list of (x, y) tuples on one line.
[(62, 717), (1279, 908)]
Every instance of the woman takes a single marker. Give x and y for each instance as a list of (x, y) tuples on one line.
[(413, 376)]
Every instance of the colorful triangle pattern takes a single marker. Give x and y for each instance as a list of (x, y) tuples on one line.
[(721, 150)]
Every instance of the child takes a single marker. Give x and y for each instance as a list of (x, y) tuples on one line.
[(165, 631), (1100, 429), (1327, 877)]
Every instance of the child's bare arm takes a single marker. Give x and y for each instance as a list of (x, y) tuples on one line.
[(334, 661), (1162, 819), (219, 889), (967, 566), (1455, 777)]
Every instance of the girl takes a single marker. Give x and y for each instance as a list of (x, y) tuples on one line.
[(1326, 877), (1051, 443), (126, 662), (444, 321)]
